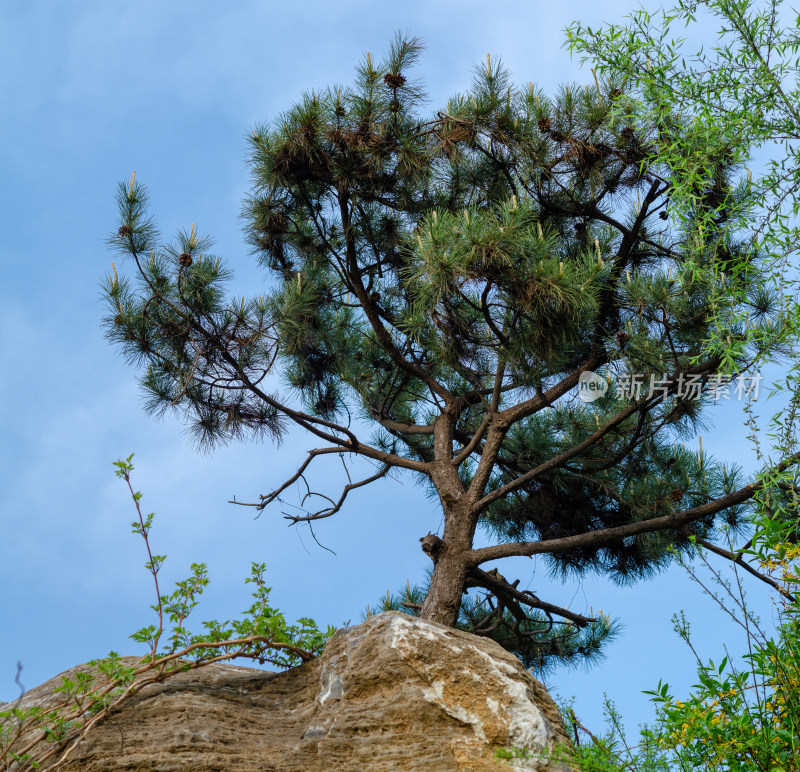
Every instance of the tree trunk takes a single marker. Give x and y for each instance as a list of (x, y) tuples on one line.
[(450, 553), (443, 600)]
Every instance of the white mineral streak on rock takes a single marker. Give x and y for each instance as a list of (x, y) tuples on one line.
[(435, 694), (330, 682), (528, 728)]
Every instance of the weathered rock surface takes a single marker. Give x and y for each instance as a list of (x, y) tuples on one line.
[(393, 694)]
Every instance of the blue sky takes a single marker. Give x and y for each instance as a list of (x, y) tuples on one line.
[(92, 91)]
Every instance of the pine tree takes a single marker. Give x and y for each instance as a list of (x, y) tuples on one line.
[(447, 279)]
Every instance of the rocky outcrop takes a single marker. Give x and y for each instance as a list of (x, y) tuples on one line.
[(393, 694)]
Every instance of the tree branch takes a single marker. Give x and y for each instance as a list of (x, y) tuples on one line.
[(382, 334), (736, 557), (671, 386), (332, 510), (502, 588), (608, 535), (523, 410), (268, 498)]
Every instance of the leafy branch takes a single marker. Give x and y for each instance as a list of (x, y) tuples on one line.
[(33, 735)]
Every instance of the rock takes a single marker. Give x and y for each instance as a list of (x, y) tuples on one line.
[(393, 694)]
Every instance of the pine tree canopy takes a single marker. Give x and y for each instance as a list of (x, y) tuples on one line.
[(443, 279)]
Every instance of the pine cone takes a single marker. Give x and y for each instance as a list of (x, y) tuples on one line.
[(544, 125), (622, 337), (185, 260), (676, 495), (125, 230), (394, 79)]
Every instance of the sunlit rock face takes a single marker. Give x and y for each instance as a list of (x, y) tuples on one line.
[(393, 694)]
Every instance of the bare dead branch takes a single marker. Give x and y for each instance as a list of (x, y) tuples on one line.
[(270, 497), (335, 507)]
